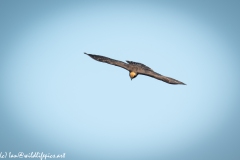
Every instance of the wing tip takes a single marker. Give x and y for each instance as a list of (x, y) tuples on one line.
[(177, 82), (85, 53), (182, 83)]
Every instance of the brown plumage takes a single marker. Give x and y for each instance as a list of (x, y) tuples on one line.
[(135, 68)]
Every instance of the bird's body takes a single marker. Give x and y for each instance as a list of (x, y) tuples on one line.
[(135, 68), (132, 74)]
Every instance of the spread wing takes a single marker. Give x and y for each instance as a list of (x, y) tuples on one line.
[(158, 76), (109, 61)]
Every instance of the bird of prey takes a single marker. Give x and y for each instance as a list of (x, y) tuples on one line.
[(135, 68)]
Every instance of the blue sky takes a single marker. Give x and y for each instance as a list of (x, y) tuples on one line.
[(55, 99)]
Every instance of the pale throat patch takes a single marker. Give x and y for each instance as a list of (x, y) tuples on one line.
[(132, 74)]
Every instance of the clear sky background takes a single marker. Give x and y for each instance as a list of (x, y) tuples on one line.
[(54, 99)]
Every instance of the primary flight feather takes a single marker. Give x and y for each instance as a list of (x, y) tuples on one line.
[(135, 68)]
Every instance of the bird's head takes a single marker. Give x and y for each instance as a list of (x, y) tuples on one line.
[(132, 75)]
